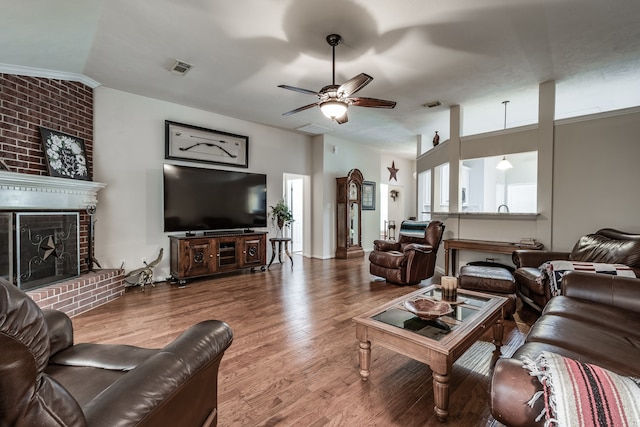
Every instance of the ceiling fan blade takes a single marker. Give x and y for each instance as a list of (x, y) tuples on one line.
[(342, 119), (299, 89), (297, 110), (371, 102), (353, 85)]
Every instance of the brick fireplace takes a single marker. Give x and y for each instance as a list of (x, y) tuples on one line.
[(28, 102), (35, 195)]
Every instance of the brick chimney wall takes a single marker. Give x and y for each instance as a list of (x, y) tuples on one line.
[(26, 104)]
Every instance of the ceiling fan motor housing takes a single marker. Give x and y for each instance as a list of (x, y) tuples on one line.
[(334, 39)]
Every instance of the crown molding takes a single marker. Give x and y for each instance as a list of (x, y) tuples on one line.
[(48, 74)]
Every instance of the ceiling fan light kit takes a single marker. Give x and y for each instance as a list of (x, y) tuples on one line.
[(333, 109), (334, 100)]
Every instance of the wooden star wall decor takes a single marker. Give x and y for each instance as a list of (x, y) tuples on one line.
[(393, 171)]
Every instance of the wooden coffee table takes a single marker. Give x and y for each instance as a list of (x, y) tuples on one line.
[(437, 343)]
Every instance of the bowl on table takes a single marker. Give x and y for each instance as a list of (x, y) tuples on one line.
[(428, 309)]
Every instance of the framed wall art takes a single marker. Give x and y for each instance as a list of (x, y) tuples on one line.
[(368, 195), (65, 155), (198, 144)]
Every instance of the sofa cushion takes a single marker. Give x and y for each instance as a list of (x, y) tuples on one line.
[(599, 248), (596, 343), (583, 394), (605, 316)]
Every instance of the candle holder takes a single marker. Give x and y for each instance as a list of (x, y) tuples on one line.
[(449, 288)]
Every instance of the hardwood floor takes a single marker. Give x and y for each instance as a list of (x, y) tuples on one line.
[(294, 359)]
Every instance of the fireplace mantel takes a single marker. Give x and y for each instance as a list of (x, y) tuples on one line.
[(20, 191)]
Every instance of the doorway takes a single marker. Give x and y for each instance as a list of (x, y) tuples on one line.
[(391, 210), (294, 198)]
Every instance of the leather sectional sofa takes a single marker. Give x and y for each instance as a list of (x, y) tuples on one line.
[(46, 380), (596, 321), (604, 246)]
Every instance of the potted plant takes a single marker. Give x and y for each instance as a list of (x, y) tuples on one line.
[(281, 216)]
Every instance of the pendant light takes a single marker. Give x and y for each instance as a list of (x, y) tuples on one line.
[(504, 163)]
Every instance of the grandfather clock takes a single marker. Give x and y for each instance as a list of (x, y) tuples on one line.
[(349, 215)]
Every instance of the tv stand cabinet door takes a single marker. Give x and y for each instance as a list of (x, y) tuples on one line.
[(227, 253), (254, 251), (195, 258)]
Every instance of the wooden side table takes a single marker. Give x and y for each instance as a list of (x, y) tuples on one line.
[(282, 242)]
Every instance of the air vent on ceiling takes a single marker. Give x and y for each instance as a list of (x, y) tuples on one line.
[(432, 104), (180, 68), (314, 129)]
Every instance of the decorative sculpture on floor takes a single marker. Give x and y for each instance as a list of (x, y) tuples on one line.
[(143, 276)]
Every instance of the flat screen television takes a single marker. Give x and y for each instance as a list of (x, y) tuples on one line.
[(198, 199)]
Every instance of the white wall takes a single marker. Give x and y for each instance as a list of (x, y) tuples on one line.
[(596, 176), (339, 157), (129, 144)]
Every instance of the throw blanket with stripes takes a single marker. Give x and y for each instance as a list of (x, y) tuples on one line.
[(581, 394), (413, 228), (553, 271)]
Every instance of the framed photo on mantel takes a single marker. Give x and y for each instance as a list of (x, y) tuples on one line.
[(198, 144)]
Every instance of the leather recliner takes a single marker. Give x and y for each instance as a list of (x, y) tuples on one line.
[(46, 380), (412, 258), (604, 246)]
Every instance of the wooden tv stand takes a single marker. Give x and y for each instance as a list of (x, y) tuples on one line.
[(205, 255)]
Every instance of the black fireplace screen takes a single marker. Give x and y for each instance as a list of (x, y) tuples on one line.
[(47, 248), (6, 246)]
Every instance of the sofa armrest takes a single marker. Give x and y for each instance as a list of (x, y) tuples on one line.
[(534, 258), (616, 291), (176, 386), (511, 389), (425, 249), (385, 245), (60, 330)]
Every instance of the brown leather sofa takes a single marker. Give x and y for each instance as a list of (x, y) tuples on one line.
[(46, 380), (606, 246), (596, 320), (412, 258)]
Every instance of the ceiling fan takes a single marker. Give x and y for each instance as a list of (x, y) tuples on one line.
[(334, 99)]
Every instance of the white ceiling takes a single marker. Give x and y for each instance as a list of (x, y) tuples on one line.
[(455, 51)]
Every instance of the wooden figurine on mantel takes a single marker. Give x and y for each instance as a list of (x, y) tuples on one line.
[(349, 215)]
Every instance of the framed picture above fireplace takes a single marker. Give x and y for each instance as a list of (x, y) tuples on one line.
[(65, 155)]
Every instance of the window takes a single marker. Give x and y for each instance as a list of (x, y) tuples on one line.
[(424, 195), (441, 188), (484, 188)]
